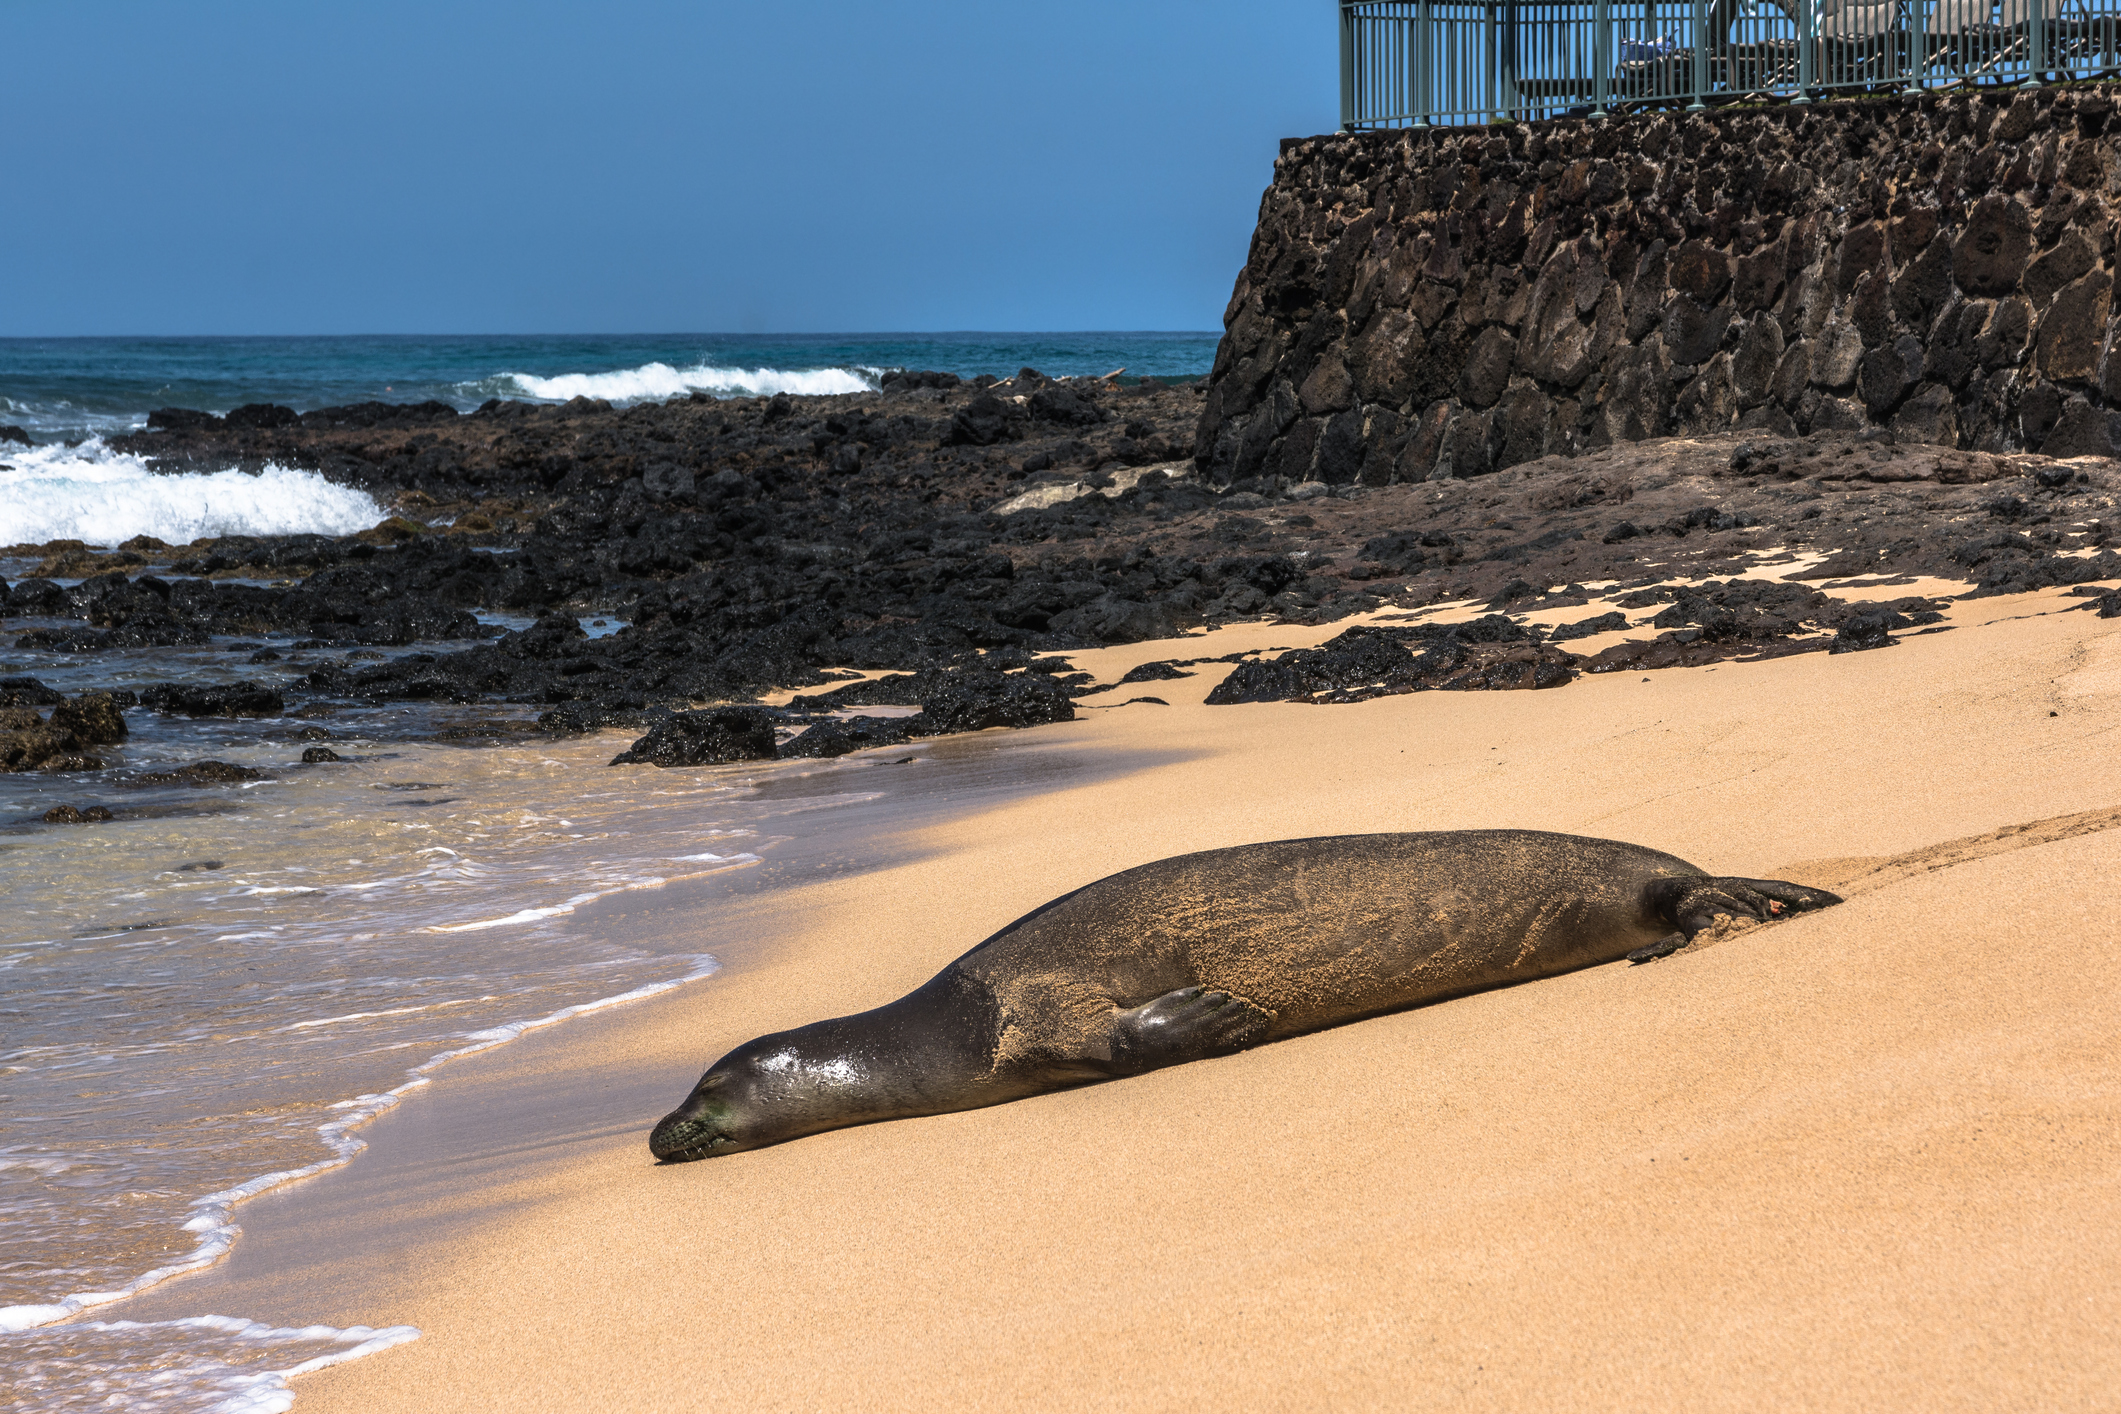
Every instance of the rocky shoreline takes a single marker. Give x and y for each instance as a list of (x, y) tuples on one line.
[(965, 538)]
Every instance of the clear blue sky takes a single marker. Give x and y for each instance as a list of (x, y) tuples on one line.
[(631, 166)]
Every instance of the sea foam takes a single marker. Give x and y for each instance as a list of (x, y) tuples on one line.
[(211, 1218), (91, 493), (660, 380)]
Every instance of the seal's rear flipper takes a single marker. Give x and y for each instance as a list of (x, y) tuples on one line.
[(1188, 1024), (1795, 898), (1691, 905)]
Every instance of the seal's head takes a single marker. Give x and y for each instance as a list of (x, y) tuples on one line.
[(926, 1053), (763, 1092)]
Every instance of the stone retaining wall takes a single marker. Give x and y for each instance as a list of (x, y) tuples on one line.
[(1422, 305)]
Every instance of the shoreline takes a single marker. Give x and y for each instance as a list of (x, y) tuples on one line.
[(873, 833), (550, 1234)]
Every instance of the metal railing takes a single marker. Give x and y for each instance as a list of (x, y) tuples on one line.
[(1414, 63)]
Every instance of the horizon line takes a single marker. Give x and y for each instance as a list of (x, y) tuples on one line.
[(646, 334)]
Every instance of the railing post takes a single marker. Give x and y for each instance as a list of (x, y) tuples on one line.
[(1493, 97), (2036, 44), (1807, 49), (1601, 56), (1347, 63), (1513, 105), (1701, 56), (1911, 57), (1424, 61)]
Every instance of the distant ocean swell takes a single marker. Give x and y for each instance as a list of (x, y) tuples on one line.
[(75, 388), (44, 418), (660, 380)]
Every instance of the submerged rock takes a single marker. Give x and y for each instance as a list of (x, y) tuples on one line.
[(29, 742), (235, 699), (93, 718), (200, 773), (75, 815), (28, 692)]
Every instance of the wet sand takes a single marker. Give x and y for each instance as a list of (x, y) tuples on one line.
[(1861, 1159)]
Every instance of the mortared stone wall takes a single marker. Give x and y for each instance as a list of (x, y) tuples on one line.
[(1452, 302)]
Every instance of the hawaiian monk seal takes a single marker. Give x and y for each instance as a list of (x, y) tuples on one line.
[(1209, 953)]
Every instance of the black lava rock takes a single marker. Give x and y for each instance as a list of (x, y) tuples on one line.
[(94, 718), (38, 599), (1584, 628), (262, 415), (1513, 592), (1486, 654), (1864, 632), (1064, 405), (1154, 672), (964, 699), (587, 717), (318, 755), (982, 422), (201, 773), (975, 699), (707, 738), (837, 737), (75, 815), (28, 692), (236, 699), (906, 379), (1355, 660), (173, 419)]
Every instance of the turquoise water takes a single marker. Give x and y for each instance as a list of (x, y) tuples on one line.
[(70, 388)]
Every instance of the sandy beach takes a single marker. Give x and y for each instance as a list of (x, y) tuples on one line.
[(1869, 1158)]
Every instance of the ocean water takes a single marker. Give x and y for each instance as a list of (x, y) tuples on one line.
[(69, 395), (207, 995), (65, 389)]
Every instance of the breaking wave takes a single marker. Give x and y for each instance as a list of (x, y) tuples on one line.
[(93, 494), (660, 380)]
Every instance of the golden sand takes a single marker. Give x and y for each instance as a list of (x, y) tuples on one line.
[(1863, 1159)]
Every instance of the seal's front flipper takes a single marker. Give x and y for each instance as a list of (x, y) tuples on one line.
[(1691, 905), (1191, 1023), (1663, 947)]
